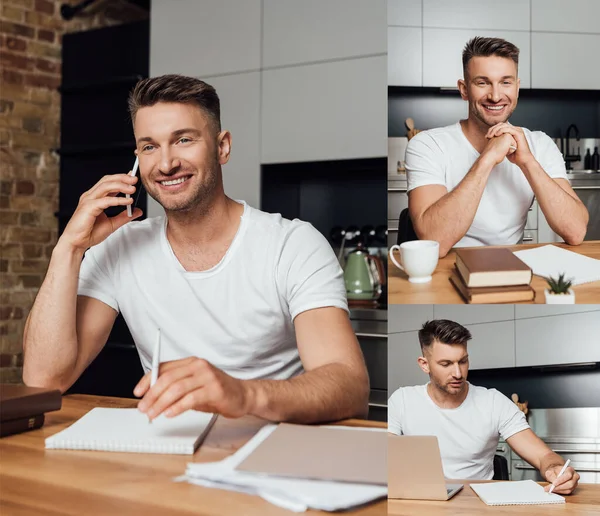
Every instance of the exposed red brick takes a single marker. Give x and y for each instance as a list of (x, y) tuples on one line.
[(17, 44), (18, 360), (31, 280), (12, 77), (46, 35), (17, 29), (43, 6), (11, 312), (25, 188), (32, 125), (21, 62), (32, 250), (47, 66), (6, 360), (3, 265), (42, 81)]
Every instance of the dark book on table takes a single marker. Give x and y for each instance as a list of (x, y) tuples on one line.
[(16, 426), (19, 405), (491, 267), (482, 295)]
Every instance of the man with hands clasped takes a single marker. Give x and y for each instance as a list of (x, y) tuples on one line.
[(472, 183), (251, 307)]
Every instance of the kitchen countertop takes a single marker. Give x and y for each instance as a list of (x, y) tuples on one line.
[(440, 291), (38, 481), (584, 502)]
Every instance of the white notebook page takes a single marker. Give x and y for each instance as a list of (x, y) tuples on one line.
[(524, 492), (550, 260), (128, 430)]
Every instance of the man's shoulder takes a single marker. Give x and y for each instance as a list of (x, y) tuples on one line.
[(275, 226), (437, 134), (485, 395), (408, 393)]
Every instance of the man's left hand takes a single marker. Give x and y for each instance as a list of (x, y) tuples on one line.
[(523, 154), (193, 383), (565, 484)]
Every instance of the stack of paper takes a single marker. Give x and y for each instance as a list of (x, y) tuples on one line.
[(550, 260), (294, 494)]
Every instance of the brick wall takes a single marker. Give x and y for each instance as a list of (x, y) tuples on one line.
[(30, 51)]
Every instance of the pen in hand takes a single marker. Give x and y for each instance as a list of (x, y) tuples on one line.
[(132, 173), (155, 363), (565, 466)]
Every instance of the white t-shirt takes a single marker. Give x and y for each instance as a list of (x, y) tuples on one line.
[(444, 156), (239, 314), (468, 435)]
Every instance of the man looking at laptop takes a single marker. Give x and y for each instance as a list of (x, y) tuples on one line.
[(251, 307), (467, 420), (472, 183)]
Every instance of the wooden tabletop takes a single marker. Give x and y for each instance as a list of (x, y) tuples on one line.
[(440, 291), (585, 501), (37, 481)]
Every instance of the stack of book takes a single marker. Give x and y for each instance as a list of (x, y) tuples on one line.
[(22, 408), (491, 275)]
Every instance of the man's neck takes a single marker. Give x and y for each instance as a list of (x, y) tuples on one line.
[(199, 238), (444, 400), (475, 131)]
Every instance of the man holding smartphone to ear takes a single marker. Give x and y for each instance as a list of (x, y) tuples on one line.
[(251, 307), (472, 183)]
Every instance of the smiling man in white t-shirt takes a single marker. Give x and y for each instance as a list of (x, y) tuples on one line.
[(467, 420), (472, 183), (251, 307)]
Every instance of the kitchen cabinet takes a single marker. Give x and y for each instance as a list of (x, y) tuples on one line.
[(240, 114), (405, 56), (474, 314), (492, 346), (404, 318), (477, 14), (406, 13), (201, 38), (313, 30), (403, 370), (325, 111), (565, 61), (442, 54), (578, 16), (560, 339)]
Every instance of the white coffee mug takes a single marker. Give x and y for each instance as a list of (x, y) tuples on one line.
[(419, 259)]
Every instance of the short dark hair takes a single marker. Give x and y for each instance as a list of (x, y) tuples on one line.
[(484, 47), (444, 331), (175, 88)]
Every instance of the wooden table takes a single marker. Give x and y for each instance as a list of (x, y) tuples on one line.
[(584, 502), (440, 291), (38, 481)]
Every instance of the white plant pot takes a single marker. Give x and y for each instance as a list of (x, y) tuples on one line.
[(560, 299)]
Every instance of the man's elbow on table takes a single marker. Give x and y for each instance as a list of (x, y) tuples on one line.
[(36, 377), (576, 235)]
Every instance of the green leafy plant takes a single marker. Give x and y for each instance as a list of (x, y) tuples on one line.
[(560, 285)]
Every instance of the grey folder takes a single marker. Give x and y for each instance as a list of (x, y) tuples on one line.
[(326, 453)]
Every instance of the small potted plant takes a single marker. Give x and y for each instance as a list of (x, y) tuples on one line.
[(559, 291)]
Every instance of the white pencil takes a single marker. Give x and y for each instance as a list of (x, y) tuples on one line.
[(155, 359), (561, 472), (132, 173)]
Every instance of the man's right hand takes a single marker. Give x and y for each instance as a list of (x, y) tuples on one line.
[(89, 225), (498, 147)]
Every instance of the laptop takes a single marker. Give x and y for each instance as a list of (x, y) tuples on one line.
[(415, 469)]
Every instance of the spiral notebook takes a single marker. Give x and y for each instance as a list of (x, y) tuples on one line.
[(524, 492), (128, 430)]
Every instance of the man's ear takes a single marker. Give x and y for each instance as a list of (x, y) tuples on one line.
[(224, 146), (462, 88), (423, 364)]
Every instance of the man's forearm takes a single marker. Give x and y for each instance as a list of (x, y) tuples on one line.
[(50, 337), (566, 216), (328, 393), (449, 218), (549, 460)]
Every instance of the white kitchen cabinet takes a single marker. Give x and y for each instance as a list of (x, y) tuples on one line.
[(492, 346), (325, 111), (477, 14), (442, 54), (405, 56), (565, 61), (533, 311), (405, 13), (316, 30), (403, 318), (240, 114), (474, 314), (403, 370), (201, 38), (565, 16), (560, 339)]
